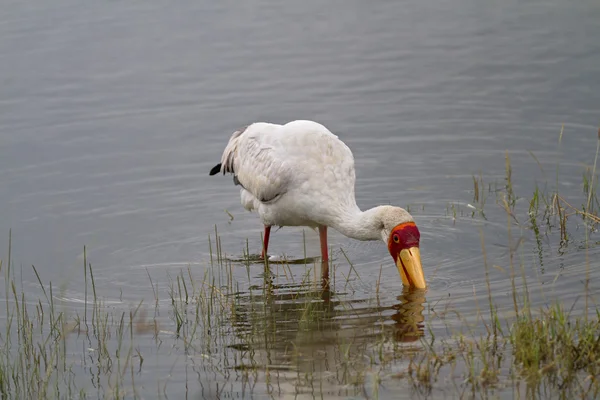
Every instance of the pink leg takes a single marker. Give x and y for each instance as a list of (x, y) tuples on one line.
[(324, 258), (266, 241), (323, 237)]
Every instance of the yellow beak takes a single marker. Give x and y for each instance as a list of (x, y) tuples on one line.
[(409, 266)]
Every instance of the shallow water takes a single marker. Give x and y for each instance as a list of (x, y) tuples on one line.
[(112, 114)]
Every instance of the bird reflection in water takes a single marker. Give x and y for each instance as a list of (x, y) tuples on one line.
[(304, 335)]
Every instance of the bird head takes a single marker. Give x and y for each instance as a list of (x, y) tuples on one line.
[(402, 237)]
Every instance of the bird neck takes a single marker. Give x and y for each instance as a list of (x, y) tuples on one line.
[(360, 225)]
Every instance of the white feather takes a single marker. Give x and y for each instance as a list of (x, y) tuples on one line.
[(301, 174)]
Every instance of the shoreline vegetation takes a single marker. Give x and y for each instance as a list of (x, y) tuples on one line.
[(291, 336)]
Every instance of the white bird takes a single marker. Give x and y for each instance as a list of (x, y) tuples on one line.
[(301, 174)]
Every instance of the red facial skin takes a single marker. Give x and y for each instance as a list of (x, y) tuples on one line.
[(403, 236)]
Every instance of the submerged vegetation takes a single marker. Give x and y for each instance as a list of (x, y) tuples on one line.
[(207, 333)]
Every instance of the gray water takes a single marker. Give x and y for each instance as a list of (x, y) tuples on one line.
[(112, 114)]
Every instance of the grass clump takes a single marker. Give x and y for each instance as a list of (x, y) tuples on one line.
[(558, 350)]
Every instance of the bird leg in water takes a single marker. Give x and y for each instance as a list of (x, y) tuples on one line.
[(323, 237), (324, 257), (266, 241)]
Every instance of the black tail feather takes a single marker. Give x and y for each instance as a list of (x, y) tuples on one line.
[(215, 170)]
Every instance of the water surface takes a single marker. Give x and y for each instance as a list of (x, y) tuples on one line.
[(112, 114)]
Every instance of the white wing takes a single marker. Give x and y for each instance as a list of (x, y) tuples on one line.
[(302, 158), (252, 157)]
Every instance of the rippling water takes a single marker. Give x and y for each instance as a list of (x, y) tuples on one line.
[(112, 114)]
